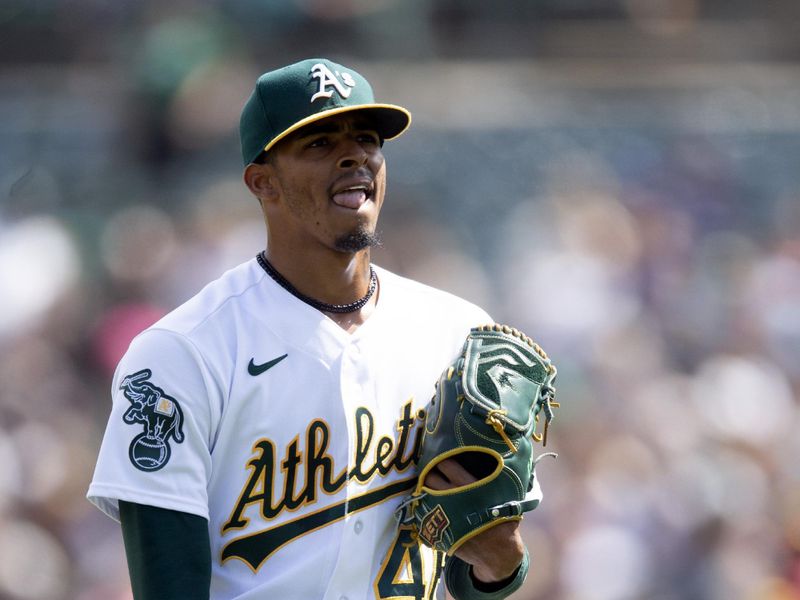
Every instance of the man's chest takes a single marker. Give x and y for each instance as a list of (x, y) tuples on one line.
[(306, 445), (300, 433)]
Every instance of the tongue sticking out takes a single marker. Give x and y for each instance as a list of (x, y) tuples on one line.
[(350, 198)]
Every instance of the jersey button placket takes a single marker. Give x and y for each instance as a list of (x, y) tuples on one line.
[(349, 575)]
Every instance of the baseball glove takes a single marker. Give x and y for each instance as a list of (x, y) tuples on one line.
[(485, 414)]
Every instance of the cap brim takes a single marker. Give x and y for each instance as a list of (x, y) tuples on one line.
[(390, 120)]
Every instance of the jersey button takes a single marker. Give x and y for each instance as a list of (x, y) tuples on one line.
[(358, 526)]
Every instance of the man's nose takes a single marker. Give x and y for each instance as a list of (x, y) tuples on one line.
[(353, 156)]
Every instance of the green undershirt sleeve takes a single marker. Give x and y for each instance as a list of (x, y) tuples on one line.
[(462, 586), (169, 553)]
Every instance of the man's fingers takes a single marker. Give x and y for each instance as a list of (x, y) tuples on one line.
[(436, 481), (448, 474), (457, 474)]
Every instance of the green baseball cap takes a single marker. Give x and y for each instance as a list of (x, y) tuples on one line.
[(291, 97)]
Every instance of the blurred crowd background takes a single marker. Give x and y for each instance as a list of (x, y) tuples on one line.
[(620, 179)]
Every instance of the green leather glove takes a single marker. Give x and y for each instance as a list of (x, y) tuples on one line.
[(484, 414)]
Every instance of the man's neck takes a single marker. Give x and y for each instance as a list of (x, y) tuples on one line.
[(331, 278), (353, 320)]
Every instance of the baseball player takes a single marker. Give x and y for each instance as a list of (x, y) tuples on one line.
[(263, 433)]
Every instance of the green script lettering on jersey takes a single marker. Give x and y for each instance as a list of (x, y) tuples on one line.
[(315, 467)]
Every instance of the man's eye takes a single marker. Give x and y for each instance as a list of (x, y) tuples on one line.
[(318, 142), (369, 138)]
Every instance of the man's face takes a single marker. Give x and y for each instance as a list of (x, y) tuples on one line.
[(332, 179)]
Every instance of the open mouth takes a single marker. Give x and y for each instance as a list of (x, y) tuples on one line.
[(353, 196)]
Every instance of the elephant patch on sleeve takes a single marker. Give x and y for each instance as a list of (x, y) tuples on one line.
[(161, 416)]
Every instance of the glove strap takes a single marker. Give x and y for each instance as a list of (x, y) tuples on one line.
[(516, 507), (511, 509)]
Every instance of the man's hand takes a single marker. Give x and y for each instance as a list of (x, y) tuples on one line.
[(495, 553)]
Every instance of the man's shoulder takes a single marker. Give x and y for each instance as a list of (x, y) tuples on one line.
[(215, 302), (429, 299)]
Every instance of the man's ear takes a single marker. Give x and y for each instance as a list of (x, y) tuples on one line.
[(261, 181)]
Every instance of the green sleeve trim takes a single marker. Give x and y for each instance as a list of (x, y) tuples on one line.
[(169, 552), (461, 585)]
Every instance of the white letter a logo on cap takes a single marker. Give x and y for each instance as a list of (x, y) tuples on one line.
[(327, 78)]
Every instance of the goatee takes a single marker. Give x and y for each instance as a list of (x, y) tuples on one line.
[(357, 241)]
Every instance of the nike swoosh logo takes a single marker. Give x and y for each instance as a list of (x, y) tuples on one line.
[(255, 369)]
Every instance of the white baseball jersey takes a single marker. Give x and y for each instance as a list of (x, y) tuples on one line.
[(294, 438)]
